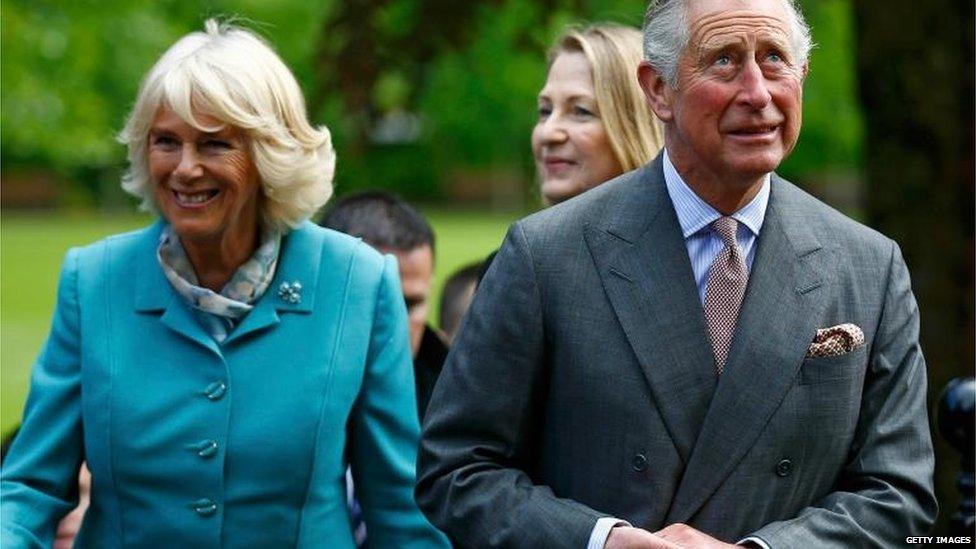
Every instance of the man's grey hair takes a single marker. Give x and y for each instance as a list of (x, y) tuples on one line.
[(666, 35)]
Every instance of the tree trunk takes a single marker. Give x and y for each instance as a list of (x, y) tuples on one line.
[(915, 65)]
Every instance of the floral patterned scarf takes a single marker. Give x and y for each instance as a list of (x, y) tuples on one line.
[(220, 312)]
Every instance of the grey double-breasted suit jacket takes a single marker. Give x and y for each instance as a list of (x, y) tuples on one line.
[(582, 385)]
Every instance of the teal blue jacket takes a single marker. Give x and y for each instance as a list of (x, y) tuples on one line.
[(242, 444)]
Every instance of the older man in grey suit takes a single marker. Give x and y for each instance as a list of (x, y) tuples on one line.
[(697, 353)]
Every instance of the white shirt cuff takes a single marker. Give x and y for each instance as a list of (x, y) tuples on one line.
[(598, 538), (755, 540)]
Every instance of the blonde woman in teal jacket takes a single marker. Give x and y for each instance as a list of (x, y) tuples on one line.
[(219, 369)]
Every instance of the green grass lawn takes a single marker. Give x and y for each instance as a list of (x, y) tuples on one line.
[(33, 245)]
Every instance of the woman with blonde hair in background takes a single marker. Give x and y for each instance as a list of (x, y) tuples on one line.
[(594, 123)]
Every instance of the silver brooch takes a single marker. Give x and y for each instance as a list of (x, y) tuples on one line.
[(290, 292)]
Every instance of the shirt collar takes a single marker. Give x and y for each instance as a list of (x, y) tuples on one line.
[(694, 214)]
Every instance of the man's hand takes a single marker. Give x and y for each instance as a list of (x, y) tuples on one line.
[(683, 535), (627, 537)]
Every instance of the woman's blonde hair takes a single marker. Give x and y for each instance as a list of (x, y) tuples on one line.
[(233, 75), (614, 52)]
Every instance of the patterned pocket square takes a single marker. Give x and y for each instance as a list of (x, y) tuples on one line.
[(836, 340)]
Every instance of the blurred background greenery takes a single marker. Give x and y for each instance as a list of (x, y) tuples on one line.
[(435, 100)]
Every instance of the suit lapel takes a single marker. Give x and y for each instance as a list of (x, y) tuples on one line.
[(776, 324), (647, 276)]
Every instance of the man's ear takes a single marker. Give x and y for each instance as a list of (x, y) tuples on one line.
[(657, 92)]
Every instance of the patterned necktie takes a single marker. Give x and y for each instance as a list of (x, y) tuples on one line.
[(727, 280)]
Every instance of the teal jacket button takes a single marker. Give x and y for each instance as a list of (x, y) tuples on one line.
[(207, 448), (215, 390), (204, 507)]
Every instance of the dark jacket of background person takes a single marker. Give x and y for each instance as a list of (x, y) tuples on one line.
[(582, 385), (427, 366)]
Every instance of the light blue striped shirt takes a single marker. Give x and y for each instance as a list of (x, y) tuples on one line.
[(696, 216)]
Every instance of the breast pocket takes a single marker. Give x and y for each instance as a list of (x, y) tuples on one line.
[(826, 369)]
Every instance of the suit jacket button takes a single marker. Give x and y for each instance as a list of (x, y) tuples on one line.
[(639, 462), (784, 468)]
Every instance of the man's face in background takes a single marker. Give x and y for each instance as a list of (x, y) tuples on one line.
[(416, 274)]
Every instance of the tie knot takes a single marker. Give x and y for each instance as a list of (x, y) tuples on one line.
[(726, 228)]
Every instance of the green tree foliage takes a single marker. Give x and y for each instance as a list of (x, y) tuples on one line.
[(71, 70), (832, 127), (462, 76)]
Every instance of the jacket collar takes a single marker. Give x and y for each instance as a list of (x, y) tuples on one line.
[(299, 261)]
